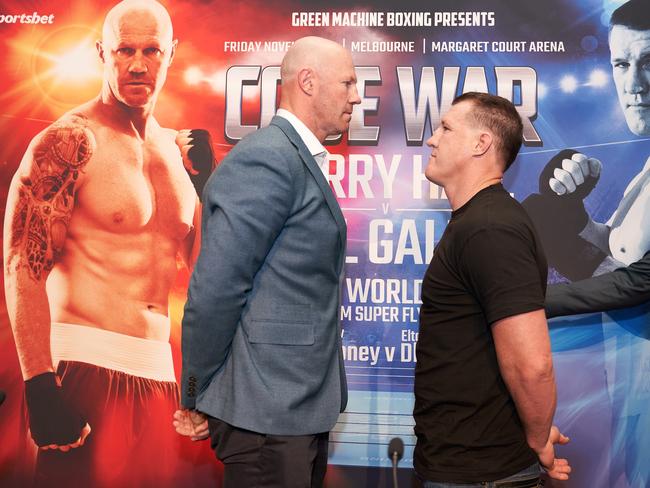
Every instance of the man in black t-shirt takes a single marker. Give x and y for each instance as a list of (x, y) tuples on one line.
[(484, 384)]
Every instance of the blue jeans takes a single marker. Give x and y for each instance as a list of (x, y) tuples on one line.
[(526, 478)]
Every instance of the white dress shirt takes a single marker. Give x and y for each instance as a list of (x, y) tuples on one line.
[(314, 146)]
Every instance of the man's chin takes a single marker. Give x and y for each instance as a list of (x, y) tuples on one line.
[(136, 102), (639, 127), (432, 177), (638, 120), (344, 125)]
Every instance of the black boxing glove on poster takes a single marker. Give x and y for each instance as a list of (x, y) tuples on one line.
[(567, 211), (198, 156), (51, 419)]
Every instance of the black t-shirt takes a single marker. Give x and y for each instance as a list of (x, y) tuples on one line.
[(488, 265)]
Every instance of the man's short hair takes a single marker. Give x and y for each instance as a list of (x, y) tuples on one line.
[(633, 15), (502, 119)]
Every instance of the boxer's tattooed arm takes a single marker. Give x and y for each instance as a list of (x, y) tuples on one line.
[(46, 195)]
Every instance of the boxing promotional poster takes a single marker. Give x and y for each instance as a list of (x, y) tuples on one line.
[(582, 93)]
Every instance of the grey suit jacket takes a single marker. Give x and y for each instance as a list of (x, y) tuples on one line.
[(621, 288), (261, 332)]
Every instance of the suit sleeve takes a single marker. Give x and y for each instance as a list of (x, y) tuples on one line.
[(623, 287), (246, 203)]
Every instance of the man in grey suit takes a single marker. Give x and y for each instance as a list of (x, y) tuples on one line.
[(261, 334)]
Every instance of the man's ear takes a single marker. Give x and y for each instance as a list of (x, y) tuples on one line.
[(306, 80), (174, 45), (100, 50), (483, 143)]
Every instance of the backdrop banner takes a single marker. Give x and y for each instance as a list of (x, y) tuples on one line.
[(552, 59)]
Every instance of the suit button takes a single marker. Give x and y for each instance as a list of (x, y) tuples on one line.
[(192, 378)]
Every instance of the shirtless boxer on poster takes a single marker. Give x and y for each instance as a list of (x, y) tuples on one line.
[(97, 213), (616, 253), (577, 246)]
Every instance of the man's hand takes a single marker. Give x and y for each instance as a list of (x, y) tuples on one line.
[(556, 468), (53, 423), (192, 424), (198, 156), (578, 174)]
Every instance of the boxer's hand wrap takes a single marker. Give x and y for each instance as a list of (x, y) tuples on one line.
[(565, 213), (51, 419), (199, 157)]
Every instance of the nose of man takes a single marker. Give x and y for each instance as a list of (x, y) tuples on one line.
[(355, 99), (138, 65), (634, 82), (432, 141)]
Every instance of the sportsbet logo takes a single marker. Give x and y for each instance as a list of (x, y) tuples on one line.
[(34, 18)]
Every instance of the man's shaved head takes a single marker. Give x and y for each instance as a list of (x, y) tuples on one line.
[(309, 52), (136, 49), (137, 10)]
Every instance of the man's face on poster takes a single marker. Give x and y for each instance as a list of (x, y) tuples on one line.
[(136, 57), (630, 58)]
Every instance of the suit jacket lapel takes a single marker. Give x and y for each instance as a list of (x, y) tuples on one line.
[(316, 172)]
